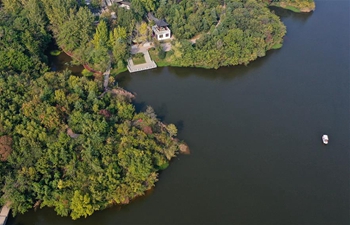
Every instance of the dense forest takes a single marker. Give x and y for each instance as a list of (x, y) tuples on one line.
[(230, 33), (23, 36), (208, 34), (67, 143)]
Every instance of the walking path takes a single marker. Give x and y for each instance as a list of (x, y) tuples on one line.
[(195, 38), (106, 76), (4, 213), (150, 64), (141, 48), (166, 46), (136, 48)]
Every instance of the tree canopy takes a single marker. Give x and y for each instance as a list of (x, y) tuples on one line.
[(64, 142), (23, 35), (223, 33), (65, 145)]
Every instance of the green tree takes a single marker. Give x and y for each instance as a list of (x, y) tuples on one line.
[(80, 205), (143, 30), (172, 130), (100, 39)]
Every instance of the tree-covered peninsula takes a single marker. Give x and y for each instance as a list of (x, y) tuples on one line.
[(220, 33), (67, 145), (65, 141), (205, 33)]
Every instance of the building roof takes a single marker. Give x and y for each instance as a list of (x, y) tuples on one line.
[(151, 17), (160, 23), (125, 3)]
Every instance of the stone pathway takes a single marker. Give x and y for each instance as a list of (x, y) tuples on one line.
[(150, 64), (166, 46), (106, 76)]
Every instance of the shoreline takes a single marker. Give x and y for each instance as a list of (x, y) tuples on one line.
[(165, 63), (293, 8), (85, 65)]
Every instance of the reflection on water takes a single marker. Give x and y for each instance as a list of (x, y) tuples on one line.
[(222, 73), (284, 13), (62, 61)]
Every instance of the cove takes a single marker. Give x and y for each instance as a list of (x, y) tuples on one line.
[(254, 133), (61, 61)]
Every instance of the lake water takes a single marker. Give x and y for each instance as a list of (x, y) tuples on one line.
[(254, 133), (62, 61)]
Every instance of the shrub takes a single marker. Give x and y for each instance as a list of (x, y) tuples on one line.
[(161, 54), (138, 55), (55, 52), (87, 73)]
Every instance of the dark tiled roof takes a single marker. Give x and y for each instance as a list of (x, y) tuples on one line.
[(125, 3), (160, 23)]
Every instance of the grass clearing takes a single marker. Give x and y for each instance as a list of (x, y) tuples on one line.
[(292, 8), (284, 6), (277, 46), (160, 62), (119, 70), (138, 58), (87, 73)]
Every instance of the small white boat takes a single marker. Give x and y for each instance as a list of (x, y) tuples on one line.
[(325, 139)]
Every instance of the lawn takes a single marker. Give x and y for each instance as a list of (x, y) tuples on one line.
[(159, 62), (138, 58), (292, 8), (277, 46)]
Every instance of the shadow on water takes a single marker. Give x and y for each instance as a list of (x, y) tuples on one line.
[(179, 125), (161, 111), (223, 73), (284, 13), (62, 61), (123, 78), (140, 106)]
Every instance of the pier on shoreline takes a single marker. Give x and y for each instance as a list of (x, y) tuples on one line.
[(4, 213)]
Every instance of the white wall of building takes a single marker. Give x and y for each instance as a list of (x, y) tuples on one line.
[(164, 36), (161, 35)]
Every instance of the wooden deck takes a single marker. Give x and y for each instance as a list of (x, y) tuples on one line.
[(150, 64), (4, 213)]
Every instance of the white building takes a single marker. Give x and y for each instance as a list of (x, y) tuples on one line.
[(161, 32), (125, 5), (111, 2), (113, 15)]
